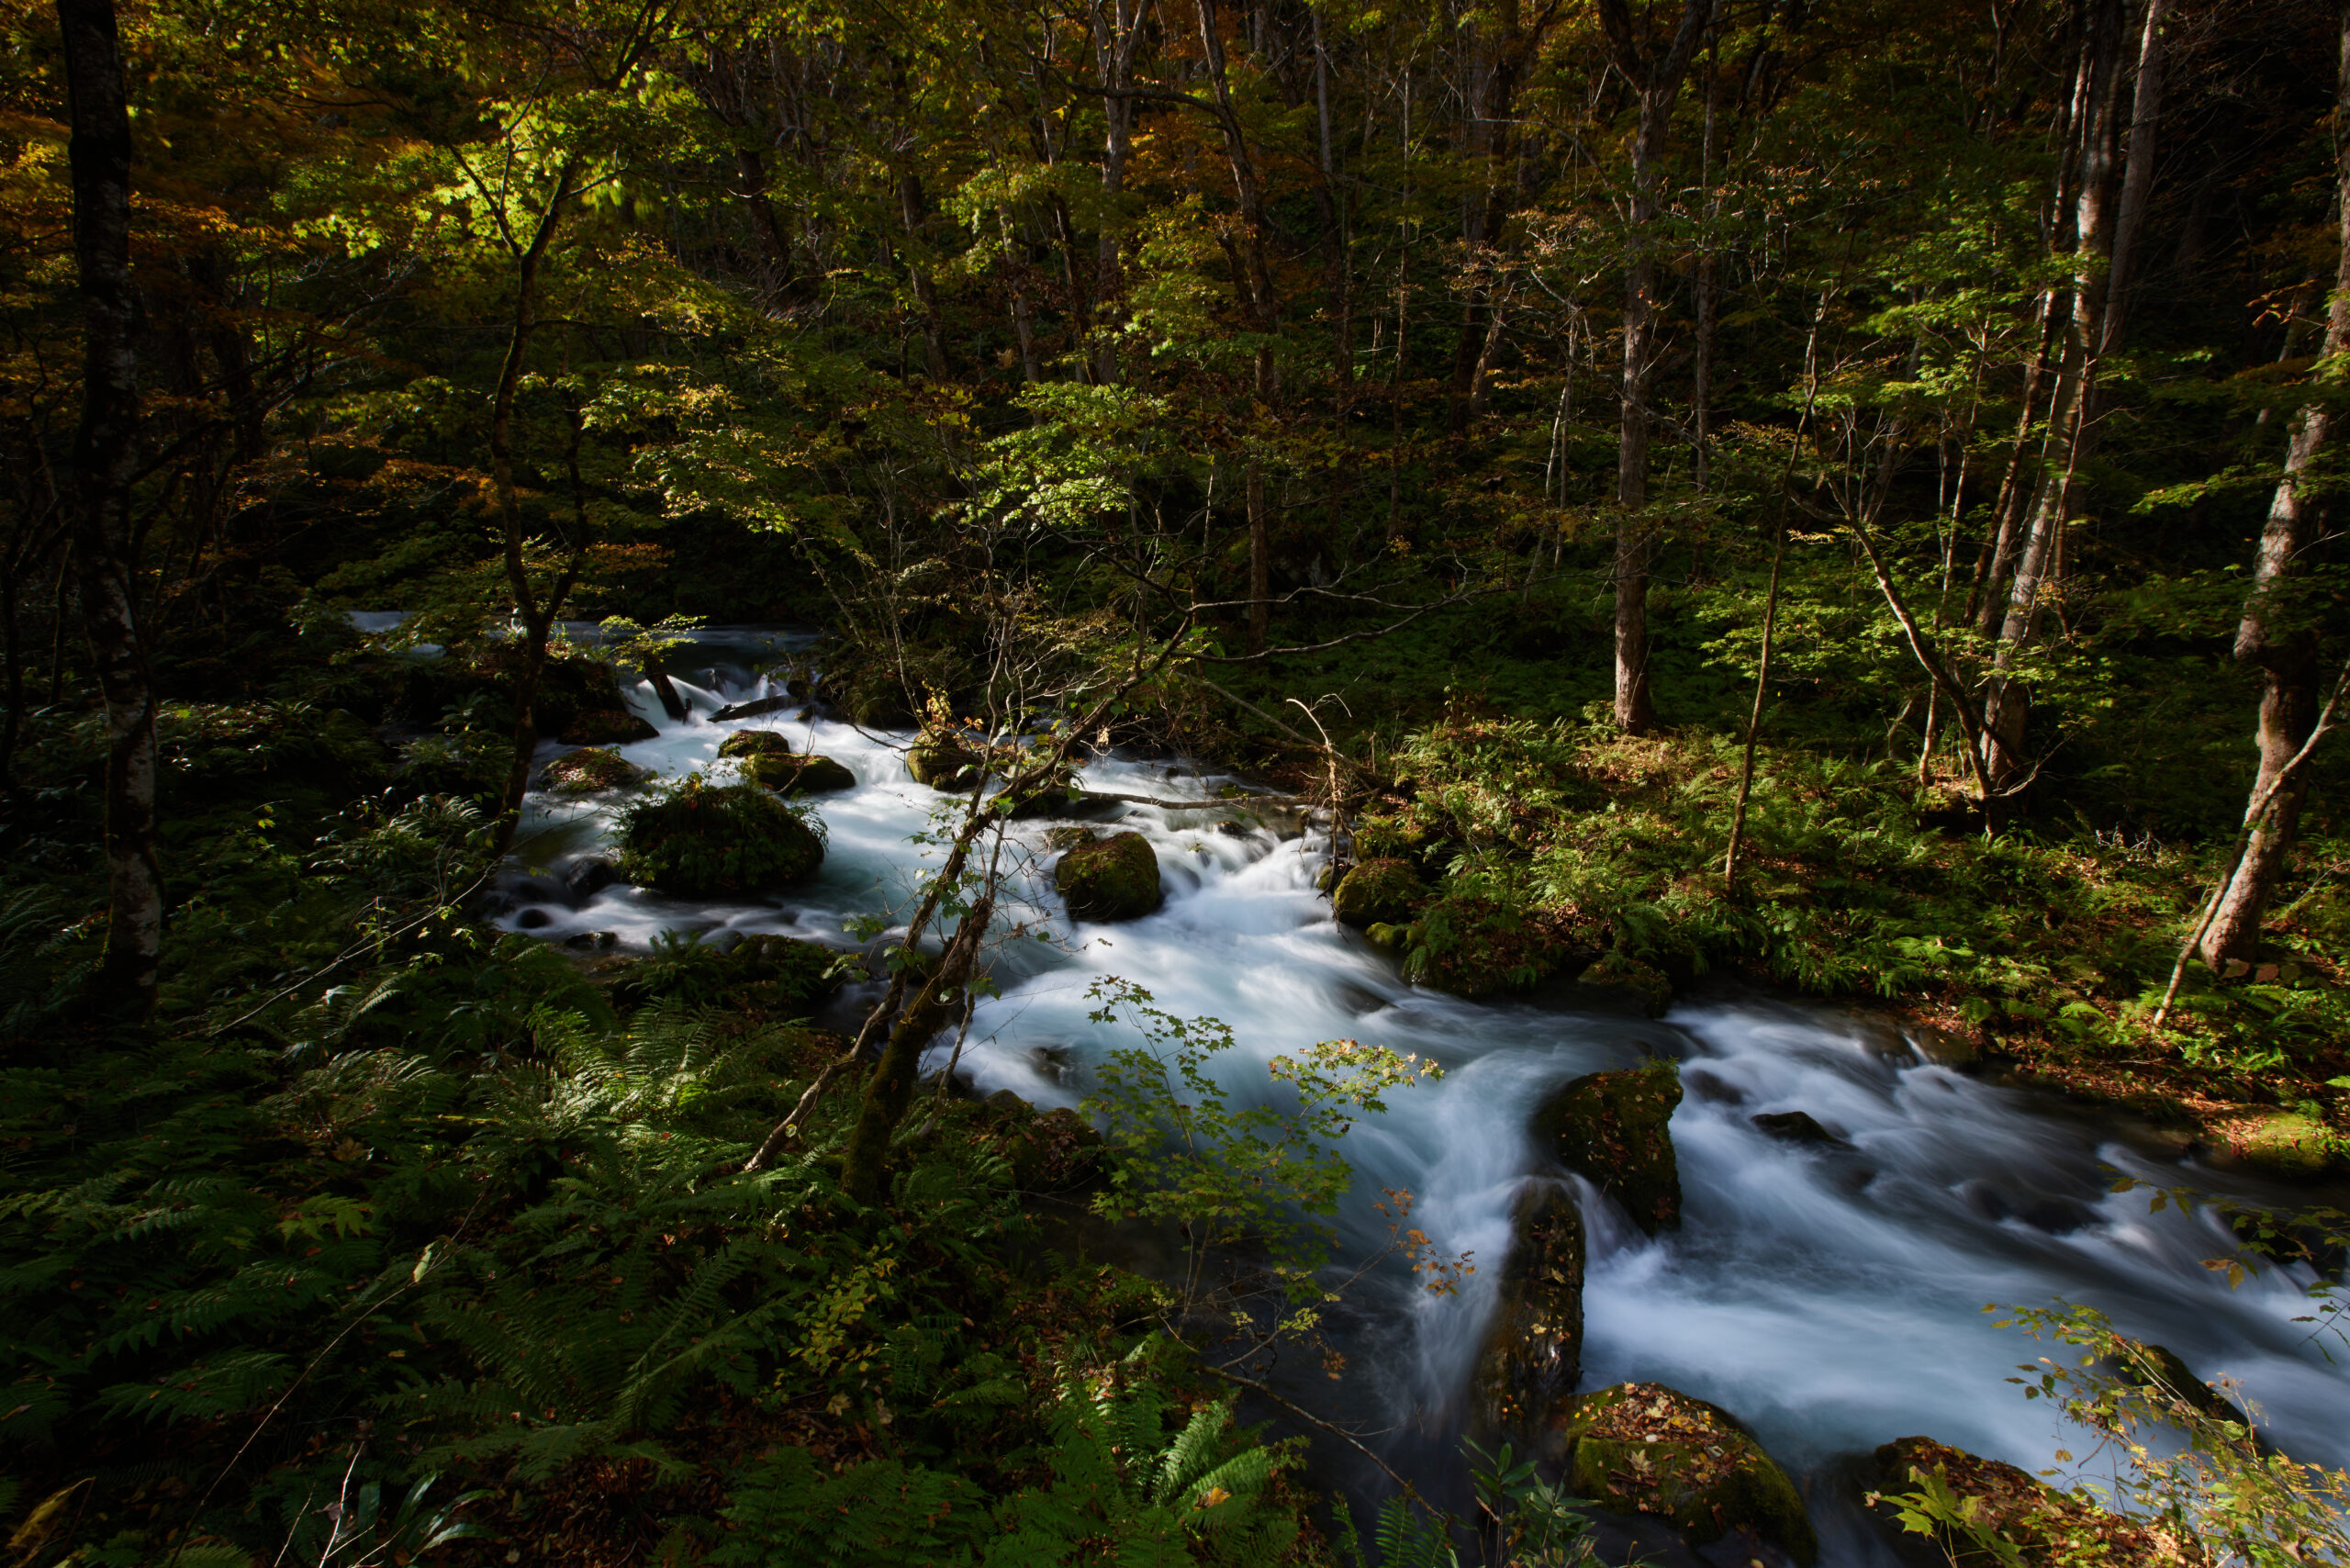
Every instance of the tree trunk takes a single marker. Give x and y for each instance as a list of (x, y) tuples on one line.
[(774, 248), (104, 458), (891, 1090), (1657, 78), (1260, 607), (2283, 644), (2138, 170)]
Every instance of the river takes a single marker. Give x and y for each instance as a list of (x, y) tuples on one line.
[(1832, 1300)]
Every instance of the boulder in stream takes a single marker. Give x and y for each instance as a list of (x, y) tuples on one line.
[(756, 742), (1377, 893), (1532, 1357), (1616, 981), (703, 840), (1474, 948), (788, 775), (2048, 1529), (589, 770), (1796, 1126), (1614, 1128), (2163, 1373), (1109, 879), (1641, 1448), (944, 762), (612, 725)]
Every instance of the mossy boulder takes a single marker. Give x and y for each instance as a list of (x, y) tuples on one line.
[(784, 972), (1532, 1357), (591, 768), (610, 724), (2290, 1144), (1476, 948), (788, 775), (703, 840), (944, 762), (1615, 980), (1049, 1151), (1109, 879), (1394, 938), (1377, 893), (1641, 1448), (754, 743), (1613, 1129), (2048, 1529), (1069, 835)]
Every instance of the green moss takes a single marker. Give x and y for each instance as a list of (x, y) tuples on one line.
[(1644, 1448), (1613, 1129), (1109, 879), (789, 775), (2047, 1528), (704, 840), (1473, 946), (1376, 892), (2286, 1143), (591, 768), (754, 743)]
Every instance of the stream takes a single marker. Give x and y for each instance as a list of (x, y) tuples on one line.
[(1833, 1299)]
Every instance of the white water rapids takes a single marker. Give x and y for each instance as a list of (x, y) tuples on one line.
[(1832, 1299)]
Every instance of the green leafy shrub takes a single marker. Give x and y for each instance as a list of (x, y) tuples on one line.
[(705, 840)]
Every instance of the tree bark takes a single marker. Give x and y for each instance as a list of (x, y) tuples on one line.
[(2138, 170), (1656, 79), (2282, 643), (104, 458), (891, 1090)]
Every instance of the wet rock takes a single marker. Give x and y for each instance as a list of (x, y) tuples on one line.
[(532, 920), (717, 840), (1641, 1448), (1947, 1048), (2161, 1370), (2049, 1530), (1533, 1352), (1613, 1128), (1048, 1152), (786, 774), (1377, 893), (1047, 801), (1713, 1090), (1394, 938), (754, 743), (944, 763), (753, 709), (1069, 836), (588, 877), (1109, 879), (1617, 982), (2282, 1143), (1796, 1126), (591, 768), (592, 941), (605, 725)]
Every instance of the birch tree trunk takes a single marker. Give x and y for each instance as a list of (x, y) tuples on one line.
[(104, 458), (2272, 635)]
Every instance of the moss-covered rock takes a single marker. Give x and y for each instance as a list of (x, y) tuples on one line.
[(1377, 893), (1109, 879), (784, 972), (591, 768), (786, 774), (1615, 980), (610, 725), (1643, 1448), (703, 840), (1475, 947), (1069, 835), (2048, 1529), (1532, 1357), (754, 743), (944, 762), (1613, 1129), (2290, 1144), (1394, 938)]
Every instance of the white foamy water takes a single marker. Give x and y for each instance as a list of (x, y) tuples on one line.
[(1830, 1298)]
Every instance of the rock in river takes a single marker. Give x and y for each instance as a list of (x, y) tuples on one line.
[(789, 775), (1109, 879), (1641, 1448), (2047, 1528), (942, 762), (754, 743), (1614, 1128), (591, 768), (1377, 893), (1533, 1353), (705, 840)]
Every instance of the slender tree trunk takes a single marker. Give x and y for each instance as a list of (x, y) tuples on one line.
[(775, 247), (2276, 635), (1023, 327), (2138, 170), (1260, 605), (104, 457), (891, 1090), (1658, 80), (536, 619)]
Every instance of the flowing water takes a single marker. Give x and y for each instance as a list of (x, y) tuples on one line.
[(1831, 1298)]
